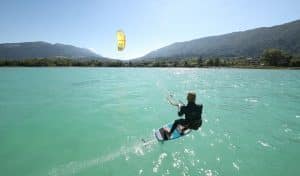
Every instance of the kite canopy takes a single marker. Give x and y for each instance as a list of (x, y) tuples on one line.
[(121, 40)]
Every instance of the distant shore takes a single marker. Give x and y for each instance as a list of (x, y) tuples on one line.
[(270, 59), (206, 67)]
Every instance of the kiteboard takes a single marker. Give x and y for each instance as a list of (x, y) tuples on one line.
[(161, 133)]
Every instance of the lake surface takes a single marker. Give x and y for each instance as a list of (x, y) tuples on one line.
[(90, 121)]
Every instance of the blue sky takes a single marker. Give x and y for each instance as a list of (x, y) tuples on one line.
[(148, 25)]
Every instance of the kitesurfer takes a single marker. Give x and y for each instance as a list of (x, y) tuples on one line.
[(192, 112)]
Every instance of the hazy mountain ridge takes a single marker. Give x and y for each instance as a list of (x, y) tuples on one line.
[(29, 50), (249, 43)]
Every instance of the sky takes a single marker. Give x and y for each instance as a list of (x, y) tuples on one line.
[(149, 25)]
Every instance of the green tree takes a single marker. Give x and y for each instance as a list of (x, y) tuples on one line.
[(210, 62), (295, 61), (275, 57), (217, 62), (185, 64), (199, 62)]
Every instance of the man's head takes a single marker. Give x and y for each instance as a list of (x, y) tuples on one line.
[(191, 97)]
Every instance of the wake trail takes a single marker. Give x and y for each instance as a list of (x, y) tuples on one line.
[(139, 148)]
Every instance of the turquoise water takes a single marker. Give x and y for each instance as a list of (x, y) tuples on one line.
[(90, 121)]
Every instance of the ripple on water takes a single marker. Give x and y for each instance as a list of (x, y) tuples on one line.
[(251, 100), (232, 146), (161, 157), (235, 166), (208, 172), (287, 130), (189, 152), (140, 171), (264, 144), (177, 162)]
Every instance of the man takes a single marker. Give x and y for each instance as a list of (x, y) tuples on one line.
[(192, 112)]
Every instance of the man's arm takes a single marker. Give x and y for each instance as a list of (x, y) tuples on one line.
[(201, 106), (181, 110), (200, 110)]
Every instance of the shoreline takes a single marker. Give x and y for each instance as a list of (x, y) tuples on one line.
[(212, 67)]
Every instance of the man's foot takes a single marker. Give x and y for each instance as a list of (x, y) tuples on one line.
[(167, 133), (181, 129)]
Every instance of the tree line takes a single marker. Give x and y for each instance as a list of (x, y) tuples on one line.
[(57, 62), (269, 57)]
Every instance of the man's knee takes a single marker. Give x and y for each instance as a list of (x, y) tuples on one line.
[(178, 121)]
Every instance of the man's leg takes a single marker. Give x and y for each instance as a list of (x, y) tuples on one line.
[(176, 122), (183, 129)]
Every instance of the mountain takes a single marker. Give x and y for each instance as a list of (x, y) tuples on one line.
[(29, 50), (249, 43)]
